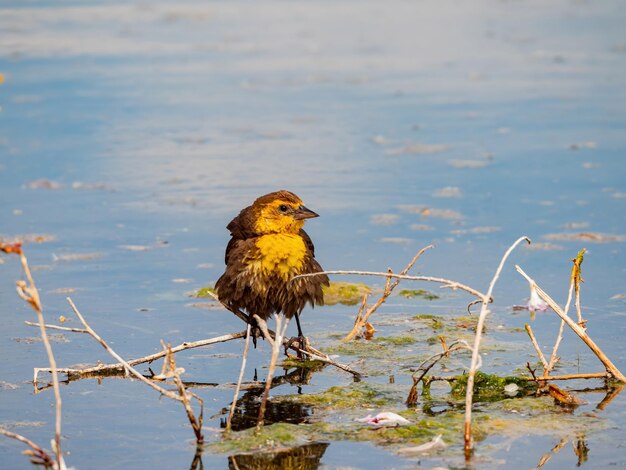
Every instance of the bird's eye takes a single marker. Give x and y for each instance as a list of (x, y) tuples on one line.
[(283, 208)]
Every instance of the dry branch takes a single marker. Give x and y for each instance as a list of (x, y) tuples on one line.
[(239, 380), (104, 369), (579, 330), (361, 319), (431, 361), (447, 283)]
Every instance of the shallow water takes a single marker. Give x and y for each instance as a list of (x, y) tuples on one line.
[(157, 122)]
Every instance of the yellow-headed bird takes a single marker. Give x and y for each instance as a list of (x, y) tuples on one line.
[(268, 247)]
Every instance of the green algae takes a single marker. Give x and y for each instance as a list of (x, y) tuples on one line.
[(489, 387), (205, 292), (377, 348), (292, 362), (355, 395), (345, 293), (434, 321), (395, 340), (418, 293)]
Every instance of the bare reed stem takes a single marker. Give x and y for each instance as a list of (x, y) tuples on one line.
[(196, 424), (533, 340), (233, 405), (28, 292), (278, 341), (484, 310), (553, 358)]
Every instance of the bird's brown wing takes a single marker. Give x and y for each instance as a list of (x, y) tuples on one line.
[(235, 287), (241, 228), (311, 287), (308, 242)]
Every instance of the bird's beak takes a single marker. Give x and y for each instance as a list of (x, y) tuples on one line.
[(303, 212)]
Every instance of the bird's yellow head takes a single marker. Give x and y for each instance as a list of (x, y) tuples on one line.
[(280, 212)]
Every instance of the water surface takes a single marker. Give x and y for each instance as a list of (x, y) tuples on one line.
[(156, 122)]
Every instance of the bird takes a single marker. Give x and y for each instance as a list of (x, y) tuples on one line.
[(267, 248)]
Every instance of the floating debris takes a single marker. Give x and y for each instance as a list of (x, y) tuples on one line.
[(69, 257), (426, 211), (583, 145), (380, 140), (436, 444), (97, 186), (418, 149), (563, 397), (396, 240), (384, 219), (511, 389), (386, 418), (43, 184), (468, 163), (27, 238), (594, 237), (448, 191), (475, 230), (421, 227), (536, 303)]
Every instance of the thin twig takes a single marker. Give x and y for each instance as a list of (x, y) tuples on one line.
[(447, 284), (39, 455), (484, 310), (575, 280), (584, 376), (233, 405), (262, 324), (30, 294), (317, 355), (196, 424), (533, 340), (579, 330), (559, 337), (57, 327), (435, 358), (364, 317)]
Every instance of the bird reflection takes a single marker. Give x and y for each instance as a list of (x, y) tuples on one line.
[(306, 457), (283, 411)]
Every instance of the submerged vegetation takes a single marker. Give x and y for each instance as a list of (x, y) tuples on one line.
[(345, 293)]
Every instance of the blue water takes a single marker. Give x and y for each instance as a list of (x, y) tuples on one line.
[(185, 113)]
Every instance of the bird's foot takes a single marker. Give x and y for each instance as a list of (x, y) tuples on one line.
[(300, 344)]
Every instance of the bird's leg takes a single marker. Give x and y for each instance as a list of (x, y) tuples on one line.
[(301, 340), (278, 340), (298, 324)]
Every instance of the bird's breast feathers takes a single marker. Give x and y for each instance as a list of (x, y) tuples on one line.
[(279, 253)]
